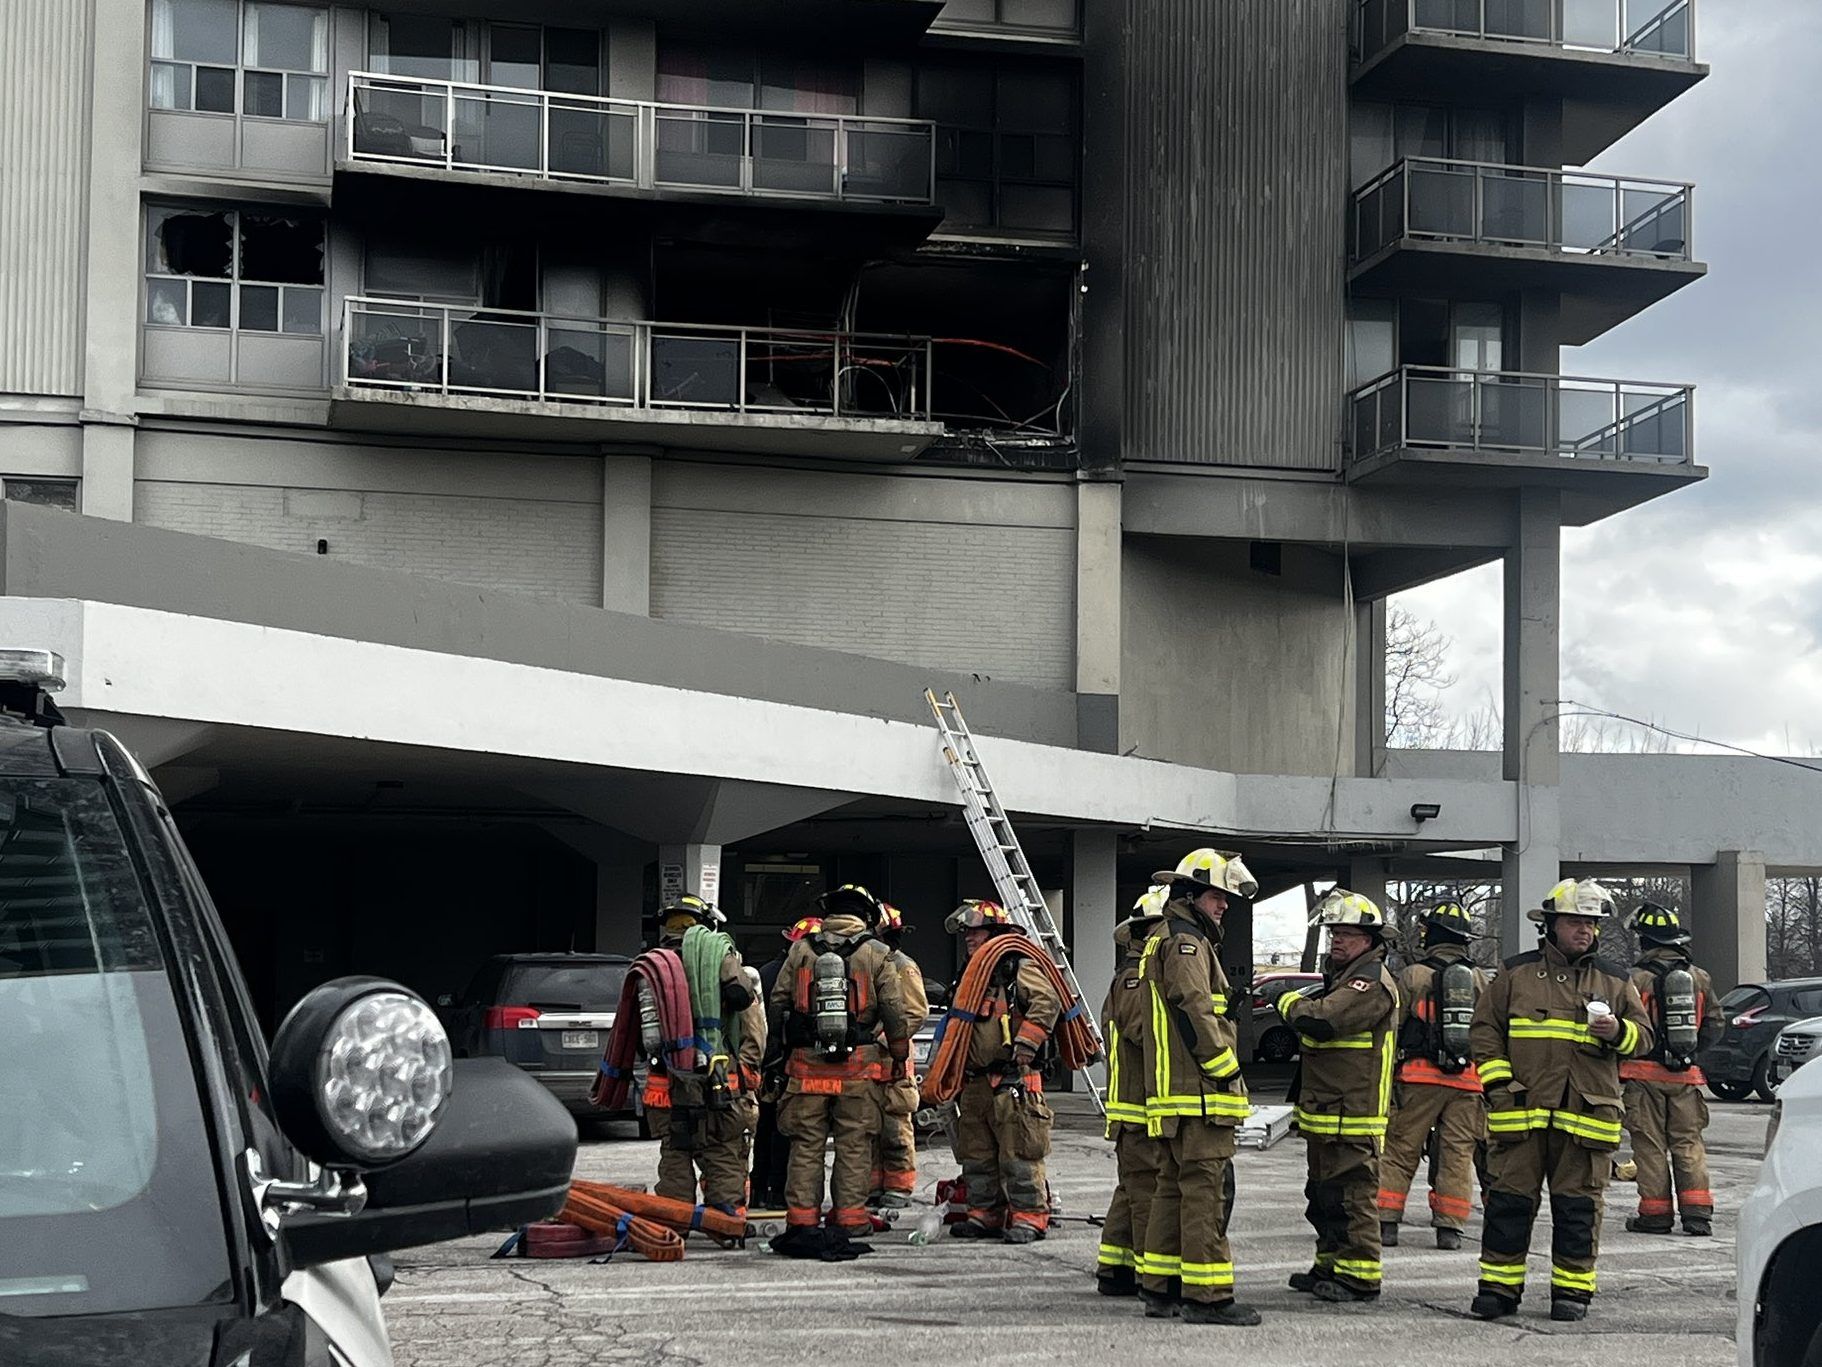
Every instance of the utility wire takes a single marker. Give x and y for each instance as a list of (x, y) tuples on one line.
[(1583, 709)]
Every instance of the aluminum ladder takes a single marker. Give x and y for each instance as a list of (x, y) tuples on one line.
[(1005, 857)]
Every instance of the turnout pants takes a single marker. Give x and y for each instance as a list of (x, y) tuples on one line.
[(1577, 1175), (895, 1163), (1459, 1121), (771, 1156), (1666, 1120), (1128, 1214), (807, 1119), (1184, 1238), (1001, 1141), (1343, 1210), (717, 1145)]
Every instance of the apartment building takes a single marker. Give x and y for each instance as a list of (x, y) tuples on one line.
[(531, 417)]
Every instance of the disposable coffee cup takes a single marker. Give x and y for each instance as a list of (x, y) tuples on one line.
[(1598, 1011)]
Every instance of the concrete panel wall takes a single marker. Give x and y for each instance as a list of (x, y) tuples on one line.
[(1235, 160), (528, 524), (952, 574), (1227, 668), (43, 168)]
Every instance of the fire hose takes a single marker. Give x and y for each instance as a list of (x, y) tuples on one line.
[(662, 973)]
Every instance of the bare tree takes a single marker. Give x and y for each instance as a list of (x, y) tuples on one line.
[(1793, 929), (1416, 676)]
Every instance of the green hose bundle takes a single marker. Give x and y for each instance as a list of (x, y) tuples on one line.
[(704, 951)]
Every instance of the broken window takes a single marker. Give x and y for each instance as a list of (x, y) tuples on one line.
[(47, 493), (1006, 144), (275, 55), (1036, 16), (247, 269)]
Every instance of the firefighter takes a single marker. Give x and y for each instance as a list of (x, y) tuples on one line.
[(1345, 1031), (709, 1129), (771, 1150), (1439, 1089), (895, 1169), (1123, 1018), (1002, 1125), (1548, 1036), (1665, 1113), (846, 1038), (1194, 1096)]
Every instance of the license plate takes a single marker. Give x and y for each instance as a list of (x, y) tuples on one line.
[(581, 1039)]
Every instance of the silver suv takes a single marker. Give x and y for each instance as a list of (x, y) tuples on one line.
[(1797, 1044)]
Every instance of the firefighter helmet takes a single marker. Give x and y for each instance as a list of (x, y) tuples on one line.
[(1148, 908), (1449, 923), (1575, 897), (851, 899), (976, 914), (1659, 925), (1209, 868), (803, 926), (891, 920), (689, 910), (1341, 908)]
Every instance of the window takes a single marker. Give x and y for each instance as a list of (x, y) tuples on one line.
[(238, 268), (1808, 1002), (1005, 146), (273, 57), (1380, 135), (1028, 16), (48, 493), (747, 80)]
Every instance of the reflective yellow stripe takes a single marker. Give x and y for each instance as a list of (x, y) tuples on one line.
[(1387, 1061), (1126, 1113), (1543, 1118), (1360, 1269), (1341, 1126), (1218, 1000), (1159, 1264), (1160, 1033), (1222, 1065), (1571, 1280), (1586, 1126), (1325, 1260), (1629, 1038), (1495, 1071), (1502, 1274), (1524, 1027), (1112, 1255), (1518, 1121), (1284, 997), (1207, 1274), (1204, 1104), (1361, 1041)]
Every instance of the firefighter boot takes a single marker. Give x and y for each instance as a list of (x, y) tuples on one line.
[(1649, 1224), (1448, 1238), (1308, 1281), (1562, 1308), (1488, 1306), (1340, 1293), (1117, 1281), (1219, 1312), (1159, 1305), (1698, 1225), (1022, 1234), (1388, 1233)]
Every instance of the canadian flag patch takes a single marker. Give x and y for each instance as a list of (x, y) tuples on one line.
[(1360, 984)]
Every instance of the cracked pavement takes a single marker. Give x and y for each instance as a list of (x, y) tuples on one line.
[(1667, 1300)]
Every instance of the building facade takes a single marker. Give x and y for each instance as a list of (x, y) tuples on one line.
[(1108, 361)]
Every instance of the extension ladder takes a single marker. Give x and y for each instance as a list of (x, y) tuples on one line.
[(1004, 856)]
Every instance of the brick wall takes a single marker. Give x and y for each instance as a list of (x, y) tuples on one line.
[(547, 547)]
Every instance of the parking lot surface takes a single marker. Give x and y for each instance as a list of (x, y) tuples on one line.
[(1666, 1301)]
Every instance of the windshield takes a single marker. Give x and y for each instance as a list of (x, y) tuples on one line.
[(1743, 997), (108, 1198), (557, 986)]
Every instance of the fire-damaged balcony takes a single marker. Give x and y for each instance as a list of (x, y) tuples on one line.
[(440, 369), (1610, 245), (855, 173), (1422, 424), (1612, 62)]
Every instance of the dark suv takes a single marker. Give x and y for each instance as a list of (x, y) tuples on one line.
[(1740, 1062), (546, 1013)]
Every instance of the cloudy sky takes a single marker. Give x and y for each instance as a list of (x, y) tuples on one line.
[(1703, 610)]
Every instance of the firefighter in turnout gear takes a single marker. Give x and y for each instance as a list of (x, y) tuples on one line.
[(1002, 1123), (847, 1038), (1194, 1096), (707, 1125), (1123, 1018), (1549, 1036), (1344, 1095), (1439, 1089), (895, 1171), (1665, 1113)]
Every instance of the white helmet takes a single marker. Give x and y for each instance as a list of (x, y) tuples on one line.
[(1576, 897), (1212, 869), (1343, 908)]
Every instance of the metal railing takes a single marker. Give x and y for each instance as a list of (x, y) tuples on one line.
[(1508, 412), (1574, 212), (1663, 28), (458, 349), (458, 126)]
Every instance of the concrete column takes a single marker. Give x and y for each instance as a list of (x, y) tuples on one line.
[(689, 869), (1368, 877), (107, 469), (620, 862), (632, 59), (1728, 900), (1533, 575), (626, 534), (1094, 910), (1369, 689), (1097, 615)]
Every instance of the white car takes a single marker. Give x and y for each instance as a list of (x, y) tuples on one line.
[(1797, 1044), (1780, 1236)]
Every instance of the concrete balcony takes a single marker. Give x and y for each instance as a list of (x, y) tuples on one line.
[(1610, 245), (1428, 425), (1613, 62), (447, 370), (849, 175)]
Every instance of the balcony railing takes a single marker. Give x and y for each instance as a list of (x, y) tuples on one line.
[(1573, 212), (408, 121), (1662, 28), (503, 353), (1506, 413)]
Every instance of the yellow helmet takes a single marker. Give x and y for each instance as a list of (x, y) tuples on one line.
[(1576, 897), (1344, 908), (1211, 869), (1659, 925), (1151, 902), (689, 910)]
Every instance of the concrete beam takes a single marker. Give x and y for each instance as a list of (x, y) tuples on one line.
[(1097, 615), (1237, 507), (1369, 688), (1728, 913), (626, 534), (1533, 591)]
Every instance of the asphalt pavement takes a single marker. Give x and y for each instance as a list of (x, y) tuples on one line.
[(1663, 1300)]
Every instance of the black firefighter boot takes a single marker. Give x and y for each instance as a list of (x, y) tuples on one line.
[(1650, 1224), (1159, 1305), (1219, 1312), (1388, 1233), (1448, 1238), (1338, 1292), (1308, 1281), (1566, 1309), (1489, 1305), (1701, 1226), (1116, 1281)]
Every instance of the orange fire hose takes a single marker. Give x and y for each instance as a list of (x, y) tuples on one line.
[(677, 1215), (646, 1237), (949, 1059)]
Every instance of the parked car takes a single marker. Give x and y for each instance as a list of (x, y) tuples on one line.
[(1779, 1240), (1740, 1062), (1276, 1041), (1796, 1045), (169, 1193), (548, 1014)]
